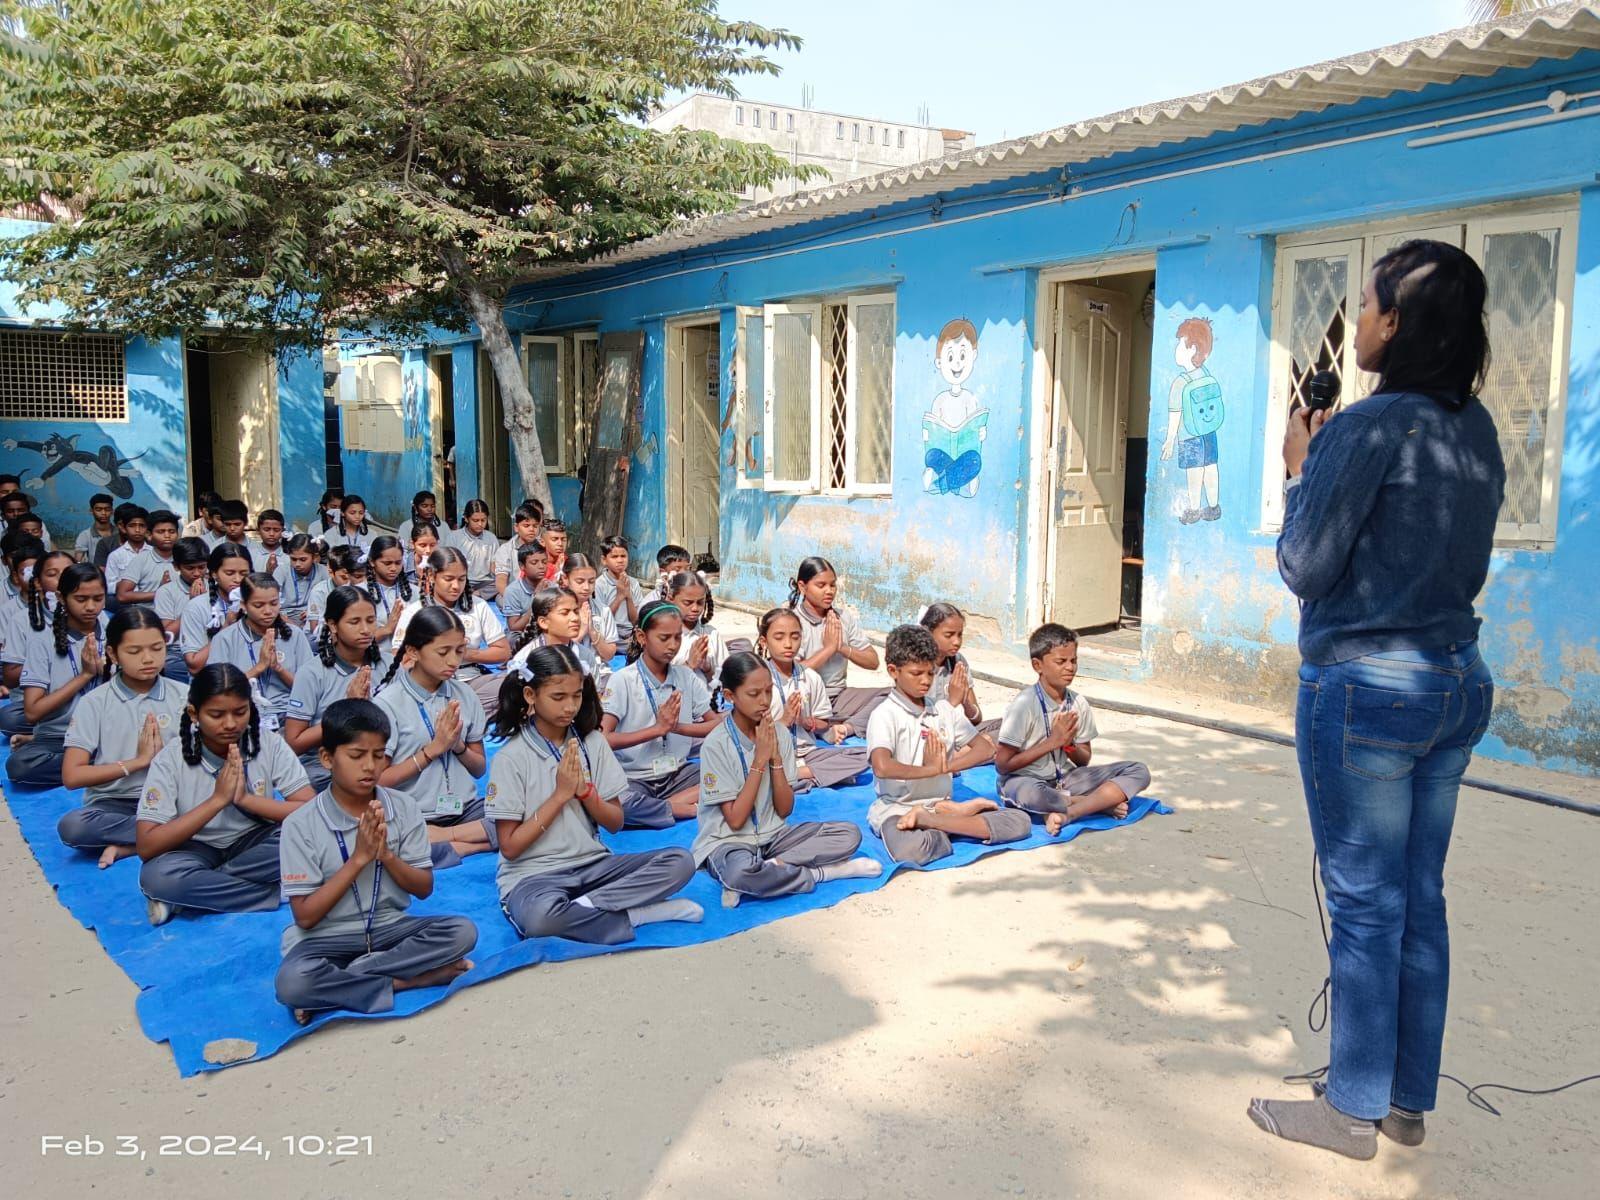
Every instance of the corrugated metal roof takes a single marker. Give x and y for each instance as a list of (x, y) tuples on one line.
[(1559, 31)]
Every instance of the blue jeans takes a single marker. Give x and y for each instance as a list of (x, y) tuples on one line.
[(1383, 743)]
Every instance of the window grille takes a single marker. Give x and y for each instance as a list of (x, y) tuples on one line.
[(62, 377)]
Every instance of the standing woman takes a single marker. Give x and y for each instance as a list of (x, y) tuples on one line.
[(1387, 531)]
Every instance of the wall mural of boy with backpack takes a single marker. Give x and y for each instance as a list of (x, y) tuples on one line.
[(1194, 406)]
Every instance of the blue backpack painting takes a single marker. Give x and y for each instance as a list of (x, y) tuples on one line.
[(1203, 410)]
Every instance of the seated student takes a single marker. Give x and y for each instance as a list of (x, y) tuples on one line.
[(342, 669), (599, 627), (12, 543), (444, 583), (326, 521), (800, 705), (351, 529), (387, 583), (747, 774), (236, 528), (703, 649), (645, 709), (16, 512), (299, 571), (518, 594), (553, 537), (133, 527), (556, 619), (952, 679), (670, 560), (148, 572), (115, 733), (172, 598), (30, 611), (1045, 743), (424, 511), (478, 546), (616, 589), (268, 649), (436, 734), (267, 547), (351, 860), (831, 639), (60, 664), (208, 614), (346, 568), (100, 526), (508, 556), (32, 525), (552, 787), (207, 523), (424, 541), (207, 825), (915, 749)]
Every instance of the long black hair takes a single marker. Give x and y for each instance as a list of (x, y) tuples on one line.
[(688, 579), (542, 665), (73, 578), (260, 581), (739, 667), (808, 570), (328, 497), (438, 561), (379, 546), (219, 679), (541, 605), (416, 514), (1441, 346), (33, 589), (295, 543), (427, 623), (345, 505), (656, 610), (221, 553), (766, 622), (935, 615), (339, 601), (126, 621)]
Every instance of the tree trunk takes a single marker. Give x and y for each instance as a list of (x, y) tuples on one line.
[(515, 397)]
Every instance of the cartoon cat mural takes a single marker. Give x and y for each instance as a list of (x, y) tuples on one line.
[(955, 427), (103, 471)]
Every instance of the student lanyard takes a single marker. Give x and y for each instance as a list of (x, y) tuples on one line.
[(387, 597), (650, 691), (556, 751), (296, 581), (444, 759), (744, 773), (783, 697), (355, 892), (1044, 709)]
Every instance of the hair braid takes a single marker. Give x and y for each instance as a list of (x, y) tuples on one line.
[(282, 627), (59, 625), (38, 615), (325, 644), (250, 743), (388, 675), (189, 740), (404, 586)]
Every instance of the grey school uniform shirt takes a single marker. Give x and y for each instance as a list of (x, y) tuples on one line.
[(897, 725), (309, 855), (43, 668), (942, 675), (240, 645), (107, 723), (199, 615), (478, 550), (445, 786), (606, 590), (634, 701), (294, 589), (726, 757), (317, 686), (521, 778), (835, 669), (171, 599), (1025, 723), (149, 569), (517, 598), (814, 701), (172, 787)]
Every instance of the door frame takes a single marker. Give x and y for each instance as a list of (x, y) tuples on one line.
[(1040, 567), (672, 397), (438, 402)]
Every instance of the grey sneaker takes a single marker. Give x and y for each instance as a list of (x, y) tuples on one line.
[(159, 911), (1405, 1128)]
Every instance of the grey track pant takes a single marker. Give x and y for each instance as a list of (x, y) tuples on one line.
[(242, 877), (833, 765), (786, 865), (1038, 796), (645, 805), (923, 846), (547, 905), (98, 825), (336, 971)]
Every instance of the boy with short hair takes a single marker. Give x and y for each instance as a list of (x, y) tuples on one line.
[(16, 509), (235, 522), (149, 571), (133, 527), (525, 524), (516, 602), (197, 527), (99, 526), (553, 536), (351, 860), (212, 532), (1045, 743), (267, 550), (670, 560), (915, 748)]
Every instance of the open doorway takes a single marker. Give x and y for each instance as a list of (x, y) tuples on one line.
[(232, 398), (1096, 336), (442, 430), (494, 450), (694, 425)]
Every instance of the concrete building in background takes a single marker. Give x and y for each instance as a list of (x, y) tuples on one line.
[(847, 147)]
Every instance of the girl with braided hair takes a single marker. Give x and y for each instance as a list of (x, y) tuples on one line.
[(268, 649), (60, 663), (387, 583), (207, 824), (347, 658), (299, 572), (22, 553), (444, 583), (115, 734), (555, 619), (424, 540), (217, 607), (31, 610)]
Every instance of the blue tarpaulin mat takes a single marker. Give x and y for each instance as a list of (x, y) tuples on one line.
[(206, 978)]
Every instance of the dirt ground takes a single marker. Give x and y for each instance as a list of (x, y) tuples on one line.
[(1088, 1021)]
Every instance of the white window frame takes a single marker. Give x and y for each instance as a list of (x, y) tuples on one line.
[(770, 481), (742, 399), (854, 486), (563, 457), (1468, 228), (582, 416)]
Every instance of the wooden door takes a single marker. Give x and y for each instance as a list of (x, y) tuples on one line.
[(244, 426), (1088, 456), (702, 440)]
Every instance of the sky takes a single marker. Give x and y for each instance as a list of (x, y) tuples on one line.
[(1006, 68)]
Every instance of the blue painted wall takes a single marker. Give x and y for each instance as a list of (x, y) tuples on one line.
[(301, 453), (1216, 614)]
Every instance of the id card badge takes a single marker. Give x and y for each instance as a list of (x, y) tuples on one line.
[(663, 764), (270, 722), (449, 806)]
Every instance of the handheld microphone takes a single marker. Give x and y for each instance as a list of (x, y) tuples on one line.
[(1323, 391)]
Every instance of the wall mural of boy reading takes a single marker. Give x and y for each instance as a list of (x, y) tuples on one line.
[(955, 427), (1194, 407)]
